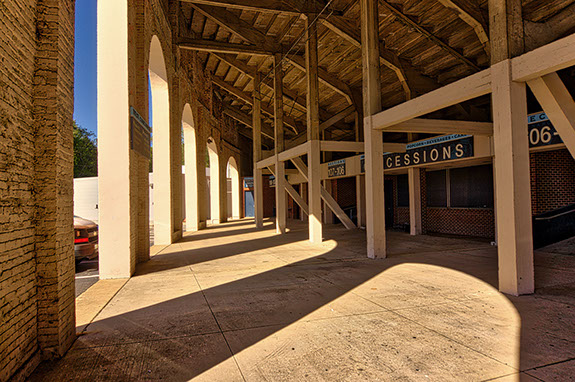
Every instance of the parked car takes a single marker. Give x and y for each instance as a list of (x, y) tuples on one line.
[(85, 239)]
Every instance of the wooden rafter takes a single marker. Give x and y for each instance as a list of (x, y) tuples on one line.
[(290, 7), (221, 47), (261, 42), (245, 119), (247, 98), (471, 14), (430, 36)]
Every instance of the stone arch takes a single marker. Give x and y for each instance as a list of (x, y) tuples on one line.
[(191, 163), (214, 181), (162, 155), (233, 173)]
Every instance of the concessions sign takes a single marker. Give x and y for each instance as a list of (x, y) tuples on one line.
[(433, 150)]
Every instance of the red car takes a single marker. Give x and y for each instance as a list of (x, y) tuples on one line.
[(85, 239)]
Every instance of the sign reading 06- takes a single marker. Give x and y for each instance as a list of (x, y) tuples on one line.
[(430, 151)]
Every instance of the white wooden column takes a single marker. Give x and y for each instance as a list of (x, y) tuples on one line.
[(281, 199), (257, 139), (413, 175), (313, 135), (512, 176), (374, 186)]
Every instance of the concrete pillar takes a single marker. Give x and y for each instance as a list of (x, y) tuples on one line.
[(117, 256), (414, 179), (257, 139), (281, 197), (223, 195), (313, 134), (512, 176), (374, 185), (236, 192), (190, 156), (162, 148), (214, 182)]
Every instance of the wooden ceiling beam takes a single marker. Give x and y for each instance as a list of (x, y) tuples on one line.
[(221, 47), (410, 78), (288, 7), (247, 32), (246, 119), (404, 19), (471, 14), (247, 98)]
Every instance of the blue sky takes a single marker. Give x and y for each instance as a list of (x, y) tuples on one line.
[(85, 89)]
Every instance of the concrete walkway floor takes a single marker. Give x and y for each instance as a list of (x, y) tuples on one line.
[(231, 303)]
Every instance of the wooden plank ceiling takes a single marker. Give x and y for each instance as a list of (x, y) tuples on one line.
[(425, 44)]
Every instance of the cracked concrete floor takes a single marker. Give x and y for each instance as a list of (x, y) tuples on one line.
[(231, 304)]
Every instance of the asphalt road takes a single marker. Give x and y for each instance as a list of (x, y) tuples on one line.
[(86, 275)]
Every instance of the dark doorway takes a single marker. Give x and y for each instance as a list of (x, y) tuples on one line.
[(388, 189)]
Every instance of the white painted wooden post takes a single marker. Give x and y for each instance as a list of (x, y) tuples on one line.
[(374, 184), (281, 198), (414, 180), (512, 176), (257, 139)]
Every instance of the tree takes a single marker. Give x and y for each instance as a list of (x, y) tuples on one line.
[(85, 153)]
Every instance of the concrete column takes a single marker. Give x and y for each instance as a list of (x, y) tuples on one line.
[(236, 192), (374, 185), (190, 154), (117, 257), (214, 182), (223, 195), (257, 139), (512, 176), (313, 134), (281, 197), (414, 178), (162, 148)]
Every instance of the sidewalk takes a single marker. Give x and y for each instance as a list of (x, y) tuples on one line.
[(231, 304)]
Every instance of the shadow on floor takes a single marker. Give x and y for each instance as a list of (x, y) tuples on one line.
[(258, 306)]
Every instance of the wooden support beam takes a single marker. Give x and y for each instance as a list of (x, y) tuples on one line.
[(505, 29), (338, 117), (294, 194), (234, 24), (249, 100), (407, 21), (257, 148), (471, 14), (542, 33), (286, 7), (313, 133), (438, 126), (281, 202), (512, 177), (326, 78), (342, 146), (325, 196), (559, 106), (545, 60), (221, 47), (465, 89), (267, 162), (294, 152), (374, 184), (414, 180), (391, 147), (244, 118)]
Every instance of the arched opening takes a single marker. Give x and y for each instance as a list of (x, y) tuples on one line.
[(233, 179), (191, 164), (161, 151), (214, 183)]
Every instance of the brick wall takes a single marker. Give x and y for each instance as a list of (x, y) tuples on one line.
[(552, 180), (36, 235)]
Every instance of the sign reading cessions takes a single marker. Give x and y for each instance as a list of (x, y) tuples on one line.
[(456, 148)]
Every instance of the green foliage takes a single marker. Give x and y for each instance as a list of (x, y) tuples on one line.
[(85, 153)]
